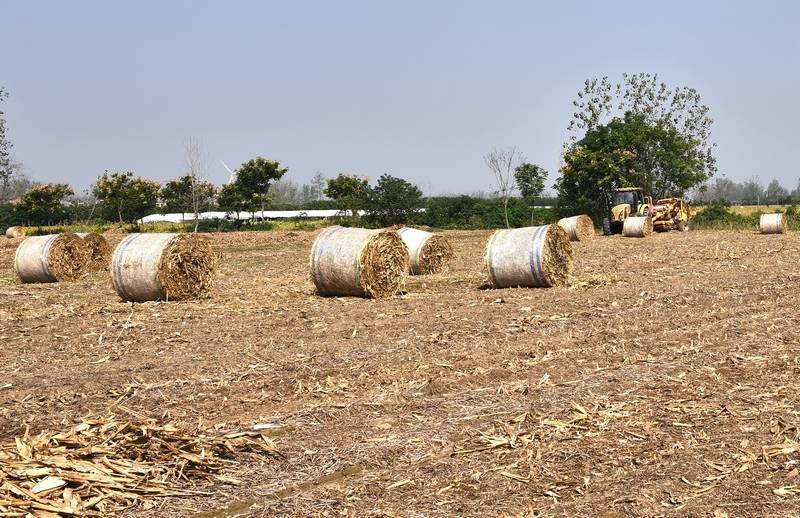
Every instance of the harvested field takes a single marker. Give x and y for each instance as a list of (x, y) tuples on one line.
[(663, 381)]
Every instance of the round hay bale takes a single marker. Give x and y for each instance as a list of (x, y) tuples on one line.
[(773, 223), (637, 226), (359, 262), (99, 251), (15, 232), (162, 267), (579, 228), (536, 257), (428, 252), (51, 258)]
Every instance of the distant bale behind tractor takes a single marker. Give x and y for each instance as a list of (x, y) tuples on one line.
[(99, 251), (15, 232), (773, 223), (637, 227), (578, 228), (359, 262), (428, 252), (162, 267), (51, 258), (536, 257)]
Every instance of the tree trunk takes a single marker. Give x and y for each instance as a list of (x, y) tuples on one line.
[(505, 211)]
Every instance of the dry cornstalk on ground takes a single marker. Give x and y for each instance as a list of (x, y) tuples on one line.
[(428, 252), (773, 223), (529, 257), (637, 226), (51, 258), (579, 228), (162, 267), (99, 250), (359, 262), (104, 466), (15, 232)]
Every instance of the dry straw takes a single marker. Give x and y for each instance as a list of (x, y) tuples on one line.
[(579, 228), (99, 251), (15, 232), (637, 227), (536, 257), (162, 267), (428, 252), (51, 258), (359, 262), (773, 223)]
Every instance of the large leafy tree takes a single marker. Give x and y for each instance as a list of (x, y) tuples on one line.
[(351, 192), (530, 181), (187, 194), (638, 132), (628, 152), (253, 180), (231, 199), (394, 200), (124, 197), (43, 204)]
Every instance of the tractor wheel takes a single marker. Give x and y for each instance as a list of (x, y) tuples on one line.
[(606, 227)]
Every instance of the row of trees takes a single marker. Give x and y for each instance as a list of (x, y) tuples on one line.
[(749, 192)]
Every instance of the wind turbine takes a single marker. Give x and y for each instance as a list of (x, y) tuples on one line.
[(232, 173)]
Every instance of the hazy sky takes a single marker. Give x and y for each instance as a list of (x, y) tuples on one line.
[(421, 90)]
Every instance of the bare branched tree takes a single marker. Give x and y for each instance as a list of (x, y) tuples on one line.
[(502, 163), (197, 168)]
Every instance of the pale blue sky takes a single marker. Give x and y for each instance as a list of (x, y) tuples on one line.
[(421, 90)]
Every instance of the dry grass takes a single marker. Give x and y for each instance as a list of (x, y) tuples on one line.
[(643, 387), (186, 270)]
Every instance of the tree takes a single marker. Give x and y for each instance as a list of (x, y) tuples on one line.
[(15, 184), (502, 163), (253, 180), (317, 186), (201, 191), (230, 199), (42, 205), (752, 191), (394, 200), (776, 193), (125, 197), (627, 152), (676, 112), (176, 195), (530, 181), (350, 192), (6, 170)]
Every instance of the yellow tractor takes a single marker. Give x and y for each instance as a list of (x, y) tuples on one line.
[(667, 214)]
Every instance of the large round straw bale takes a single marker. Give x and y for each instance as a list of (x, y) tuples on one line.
[(536, 257), (637, 226), (359, 262), (579, 228), (773, 223), (14, 232), (51, 258), (162, 267), (428, 252), (99, 251)]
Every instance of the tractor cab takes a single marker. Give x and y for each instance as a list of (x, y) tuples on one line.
[(625, 202)]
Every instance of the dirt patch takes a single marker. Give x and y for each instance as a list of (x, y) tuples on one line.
[(662, 380)]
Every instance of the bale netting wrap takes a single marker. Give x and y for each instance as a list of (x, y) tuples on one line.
[(162, 267), (51, 258), (359, 262), (635, 226), (99, 250), (578, 228), (536, 257), (15, 232), (773, 223), (428, 252)]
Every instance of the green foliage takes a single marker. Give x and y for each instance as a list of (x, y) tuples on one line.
[(6, 169), (719, 216), (176, 195), (628, 152), (231, 200), (393, 201), (43, 204), (350, 192), (466, 212), (8, 216), (530, 181), (253, 180), (125, 198)]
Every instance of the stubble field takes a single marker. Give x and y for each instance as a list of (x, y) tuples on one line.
[(659, 382)]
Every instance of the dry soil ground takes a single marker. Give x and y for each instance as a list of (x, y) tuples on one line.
[(649, 386)]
